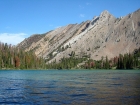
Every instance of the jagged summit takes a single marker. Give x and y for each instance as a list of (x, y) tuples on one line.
[(104, 35), (105, 13)]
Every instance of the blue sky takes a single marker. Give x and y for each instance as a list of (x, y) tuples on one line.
[(20, 19)]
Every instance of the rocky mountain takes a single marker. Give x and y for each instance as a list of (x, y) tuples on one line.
[(104, 35)]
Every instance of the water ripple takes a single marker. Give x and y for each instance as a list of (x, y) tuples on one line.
[(69, 87)]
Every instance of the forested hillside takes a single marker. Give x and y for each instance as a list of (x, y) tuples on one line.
[(13, 58), (126, 61), (123, 61)]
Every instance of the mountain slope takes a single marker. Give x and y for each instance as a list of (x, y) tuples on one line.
[(104, 35)]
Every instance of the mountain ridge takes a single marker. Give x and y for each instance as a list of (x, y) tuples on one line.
[(104, 35)]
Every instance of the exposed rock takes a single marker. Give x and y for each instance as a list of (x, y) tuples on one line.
[(104, 35)]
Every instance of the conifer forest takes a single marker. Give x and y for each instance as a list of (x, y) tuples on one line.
[(14, 58)]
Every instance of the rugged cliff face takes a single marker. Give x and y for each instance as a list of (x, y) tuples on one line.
[(104, 35)]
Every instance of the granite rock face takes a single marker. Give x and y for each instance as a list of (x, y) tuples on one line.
[(104, 35)]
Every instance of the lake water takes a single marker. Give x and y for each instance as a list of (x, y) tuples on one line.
[(74, 87)]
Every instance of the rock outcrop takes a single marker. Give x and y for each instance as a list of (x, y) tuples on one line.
[(104, 35)]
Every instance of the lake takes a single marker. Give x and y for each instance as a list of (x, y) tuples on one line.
[(73, 87)]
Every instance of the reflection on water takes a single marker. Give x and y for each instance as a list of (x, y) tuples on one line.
[(70, 87)]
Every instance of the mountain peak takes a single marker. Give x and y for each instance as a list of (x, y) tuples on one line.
[(102, 36), (105, 13)]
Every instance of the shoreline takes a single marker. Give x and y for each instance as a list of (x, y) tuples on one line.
[(67, 69)]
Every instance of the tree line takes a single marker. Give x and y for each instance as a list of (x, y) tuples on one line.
[(66, 63), (123, 61), (15, 58)]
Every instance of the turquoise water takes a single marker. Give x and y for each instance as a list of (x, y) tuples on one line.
[(59, 87)]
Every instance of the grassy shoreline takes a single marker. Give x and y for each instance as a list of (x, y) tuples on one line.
[(68, 69)]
